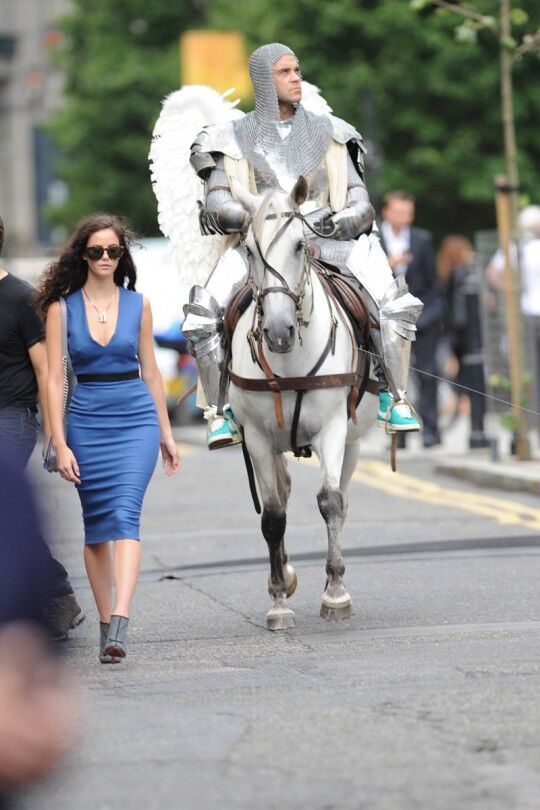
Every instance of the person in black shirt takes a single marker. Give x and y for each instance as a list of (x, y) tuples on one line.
[(23, 376), (455, 266)]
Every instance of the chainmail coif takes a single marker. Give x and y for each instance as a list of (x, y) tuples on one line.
[(257, 133)]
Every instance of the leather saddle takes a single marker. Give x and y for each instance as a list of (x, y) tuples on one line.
[(344, 290)]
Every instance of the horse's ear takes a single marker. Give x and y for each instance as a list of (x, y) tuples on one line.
[(299, 193), (240, 193)]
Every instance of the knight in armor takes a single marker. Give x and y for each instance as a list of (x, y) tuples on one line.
[(269, 148)]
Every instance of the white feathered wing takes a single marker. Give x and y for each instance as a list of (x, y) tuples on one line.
[(313, 101), (176, 186)]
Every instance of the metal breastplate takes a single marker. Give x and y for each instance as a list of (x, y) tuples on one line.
[(318, 185)]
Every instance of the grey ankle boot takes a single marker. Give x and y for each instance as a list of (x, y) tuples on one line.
[(103, 636), (116, 640)]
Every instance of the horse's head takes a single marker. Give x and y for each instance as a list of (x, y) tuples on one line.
[(276, 245)]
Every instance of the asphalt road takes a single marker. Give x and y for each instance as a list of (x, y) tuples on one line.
[(426, 698)]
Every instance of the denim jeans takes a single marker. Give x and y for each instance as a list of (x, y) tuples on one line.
[(18, 432)]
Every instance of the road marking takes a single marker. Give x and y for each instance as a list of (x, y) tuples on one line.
[(378, 475)]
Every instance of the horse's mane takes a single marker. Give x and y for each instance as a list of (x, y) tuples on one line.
[(273, 203)]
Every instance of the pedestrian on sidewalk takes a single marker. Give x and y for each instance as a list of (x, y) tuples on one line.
[(455, 266), (410, 253), (23, 378), (118, 416)]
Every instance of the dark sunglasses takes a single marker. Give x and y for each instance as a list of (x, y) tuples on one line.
[(95, 252)]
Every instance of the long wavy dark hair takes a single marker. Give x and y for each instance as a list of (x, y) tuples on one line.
[(69, 272)]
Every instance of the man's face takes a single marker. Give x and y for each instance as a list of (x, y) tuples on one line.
[(287, 78), (399, 213)]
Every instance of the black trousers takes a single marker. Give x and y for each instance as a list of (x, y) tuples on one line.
[(423, 359)]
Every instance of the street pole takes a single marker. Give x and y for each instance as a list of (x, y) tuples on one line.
[(507, 188), (511, 290), (509, 131)]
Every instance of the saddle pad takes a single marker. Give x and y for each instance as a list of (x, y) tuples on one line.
[(235, 309), (347, 293)]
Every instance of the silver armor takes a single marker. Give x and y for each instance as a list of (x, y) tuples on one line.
[(202, 327), (354, 220), (278, 152), (397, 312)]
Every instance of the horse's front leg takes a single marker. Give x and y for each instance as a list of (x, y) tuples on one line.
[(274, 484), (330, 447)]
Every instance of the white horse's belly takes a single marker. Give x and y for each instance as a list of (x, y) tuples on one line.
[(257, 411), (366, 414)]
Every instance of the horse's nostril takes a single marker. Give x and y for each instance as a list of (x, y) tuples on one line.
[(291, 331), (265, 332)]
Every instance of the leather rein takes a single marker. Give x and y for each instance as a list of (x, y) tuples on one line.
[(357, 380)]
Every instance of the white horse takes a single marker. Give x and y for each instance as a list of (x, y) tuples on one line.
[(296, 322)]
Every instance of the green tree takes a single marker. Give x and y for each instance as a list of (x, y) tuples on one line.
[(120, 59), (426, 102)]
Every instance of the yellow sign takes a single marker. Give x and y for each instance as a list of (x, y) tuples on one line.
[(216, 58)]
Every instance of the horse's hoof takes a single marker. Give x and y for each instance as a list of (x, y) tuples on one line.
[(336, 610), (280, 619), (291, 579)]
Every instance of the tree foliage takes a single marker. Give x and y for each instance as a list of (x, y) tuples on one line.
[(426, 101), (120, 59)]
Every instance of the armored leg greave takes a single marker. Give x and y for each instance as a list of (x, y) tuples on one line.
[(393, 306), (398, 313), (202, 327)]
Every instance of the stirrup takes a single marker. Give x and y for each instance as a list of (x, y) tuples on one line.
[(396, 416)]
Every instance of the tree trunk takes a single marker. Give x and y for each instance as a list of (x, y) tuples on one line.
[(508, 234)]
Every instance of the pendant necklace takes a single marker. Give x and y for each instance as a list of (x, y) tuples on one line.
[(102, 314)]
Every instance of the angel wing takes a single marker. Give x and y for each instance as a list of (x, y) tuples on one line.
[(176, 186), (313, 101)]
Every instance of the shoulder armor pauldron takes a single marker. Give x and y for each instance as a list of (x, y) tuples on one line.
[(218, 138), (342, 132), (213, 139)]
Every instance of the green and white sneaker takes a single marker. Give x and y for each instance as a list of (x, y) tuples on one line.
[(397, 416), (222, 430)]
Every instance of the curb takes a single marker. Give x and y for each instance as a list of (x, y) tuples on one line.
[(499, 475)]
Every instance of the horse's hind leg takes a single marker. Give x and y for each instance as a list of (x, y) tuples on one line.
[(274, 484), (336, 602)]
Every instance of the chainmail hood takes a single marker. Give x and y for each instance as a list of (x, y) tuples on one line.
[(257, 133)]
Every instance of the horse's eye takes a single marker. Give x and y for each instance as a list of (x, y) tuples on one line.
[(300, 246)]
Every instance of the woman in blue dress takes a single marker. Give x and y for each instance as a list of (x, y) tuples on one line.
[(118, 417)]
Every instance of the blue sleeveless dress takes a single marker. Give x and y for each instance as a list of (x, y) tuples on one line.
[(112, 427)]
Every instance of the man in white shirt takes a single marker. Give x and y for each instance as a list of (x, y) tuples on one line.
[(410, 253)]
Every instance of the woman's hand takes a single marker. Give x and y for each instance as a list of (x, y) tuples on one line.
[(67, 465), (169, 454)]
